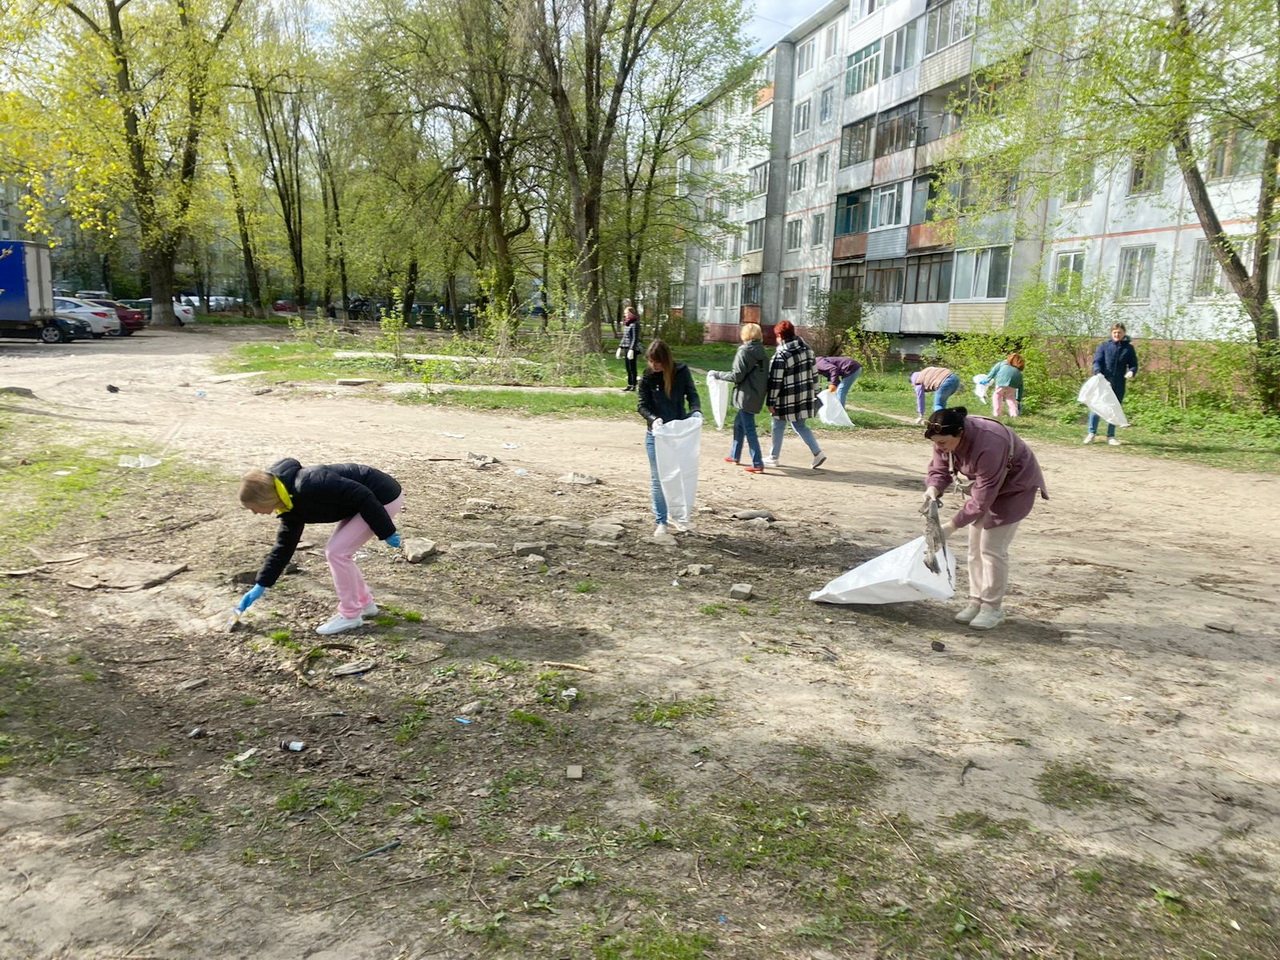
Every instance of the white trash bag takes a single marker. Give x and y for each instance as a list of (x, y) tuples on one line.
[(831, 411), (894, 577), (676, 446), (1097, 395), (980, 384), (718, 392)]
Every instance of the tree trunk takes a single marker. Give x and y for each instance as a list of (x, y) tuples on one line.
[(254, 299)]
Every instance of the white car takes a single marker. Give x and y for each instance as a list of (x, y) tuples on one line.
[(184, 312), (101, 320)]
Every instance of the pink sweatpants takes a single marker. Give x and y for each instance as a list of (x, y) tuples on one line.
[(1009, 395), (989, 563), (348, 537)]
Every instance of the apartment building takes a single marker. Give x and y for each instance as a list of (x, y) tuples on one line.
[(856, 104)]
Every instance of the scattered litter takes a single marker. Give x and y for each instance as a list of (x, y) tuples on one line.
[(569, 693), (456, 436), (196, 733), (675, 583), (62, 473), (112, 388), (262, 391), (752, 515), (1221, 627), (463, 719), (522, 472), (141, 461), (242, 757), (201, 395), (1126, 698), (937, 646), (573, 772), (354, 668), (480, 460), (192, 684), (583, 479), (511, 446), (375, 851), (293, 746)]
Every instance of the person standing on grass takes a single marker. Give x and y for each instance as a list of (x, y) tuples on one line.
[(1006, 381), (666, 393), (939, 381), (359, 499), (1006, 478), (630, 346), (793, 390), (750, 377), (840, 372), (1116, 360)]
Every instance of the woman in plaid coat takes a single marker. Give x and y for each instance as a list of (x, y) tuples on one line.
[(793, 391)]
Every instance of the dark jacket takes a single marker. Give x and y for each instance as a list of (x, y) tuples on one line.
[(327, 493), (793, 381), (654, 404), (631, 334), (1113, 358), (750, 376), (836, 369)]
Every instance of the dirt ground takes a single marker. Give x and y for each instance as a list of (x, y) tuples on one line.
[(130, 837)]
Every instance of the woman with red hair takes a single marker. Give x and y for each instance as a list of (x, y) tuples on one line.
[(793, 392)]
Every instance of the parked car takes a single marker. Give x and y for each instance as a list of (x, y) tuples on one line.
[(131, 318), (185, 314), (284, 306), (101, 319), (64, 328)]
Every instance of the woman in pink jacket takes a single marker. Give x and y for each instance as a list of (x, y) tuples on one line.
[(1005, 480)]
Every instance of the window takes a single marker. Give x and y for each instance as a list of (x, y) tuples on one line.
[(947, 24), (763, 120), (795, 234), (849, 276), (885, 280), (723, 157), (853, 213), (759, 179), (790, 292), (826, 105), (923, 190), (704, 293), (675, 295), (802, 117), (805, 56), (1136, 264), (1146, 174), (818, 232), (886, 205), (1068, 272), (822, 168), (719, 296), (855, 142), (863, 69), (1208, 279), (755, 235), (900, 50), (896, 129), (928, 279), (764, 73), (831, 46), (733, 294), (751, 288), (798, 171), (1080, 184), (981, 274), (815, 288), (1235, 153)]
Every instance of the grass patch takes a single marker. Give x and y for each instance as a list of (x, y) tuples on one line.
[(668, 713), (1073, 785)]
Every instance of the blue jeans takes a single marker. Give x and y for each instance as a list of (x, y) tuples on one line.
[(944, 391), (1094, 418), (744, 426), (842, 391), (659, 501), (801, 427)]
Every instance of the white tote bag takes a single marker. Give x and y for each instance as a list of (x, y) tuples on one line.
[(718, 392), (676, 446), (980, 384), (1097, 395), (831, 411), (894, 577)]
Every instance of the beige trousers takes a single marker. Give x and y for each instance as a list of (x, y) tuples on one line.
[(989, 563)]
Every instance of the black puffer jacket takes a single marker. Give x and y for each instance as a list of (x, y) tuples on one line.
[(652, 400), (327, 493)]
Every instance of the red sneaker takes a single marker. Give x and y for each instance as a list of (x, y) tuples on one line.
[(730, 460), (754, 469)]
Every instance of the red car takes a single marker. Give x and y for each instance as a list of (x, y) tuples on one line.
[(131, 320)]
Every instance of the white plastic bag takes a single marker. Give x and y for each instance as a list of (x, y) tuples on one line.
[(676, 446), (894, 577), (1097, 395), (980, 384), (831, 411), (718, 394)]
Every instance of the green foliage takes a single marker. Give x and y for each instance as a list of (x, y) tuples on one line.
[(671, 712), (1071, 785), (836, 323), (678, 330)]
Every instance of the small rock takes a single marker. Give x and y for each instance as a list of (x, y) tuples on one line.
[(472, 709), (192, 684), (600, 543), (571, 526), (583, 479), (697, 570), (534, 560), (528, 549), (759, 523), (1221, 627), (475, 503), (112, 388), (469, 515), (740, 591), (752, 515), (605, 531), (937, 646), (480, 460), (262, 391), (474, 547), (417, 550), (573, 772)]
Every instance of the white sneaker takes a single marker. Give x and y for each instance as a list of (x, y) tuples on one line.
[(819, 459), (1113, 441), (988, 618), (968, 613), (1090, 437), (660, 530), (339, 624), (770, 461), (682, 527), (370, 611)]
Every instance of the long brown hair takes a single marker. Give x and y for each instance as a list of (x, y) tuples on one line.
[(660, 354)]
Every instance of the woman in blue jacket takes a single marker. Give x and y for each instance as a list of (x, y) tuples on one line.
[(359, 499), (1116, 360), (666, 393)]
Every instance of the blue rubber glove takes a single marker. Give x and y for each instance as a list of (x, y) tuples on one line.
[(393, 540), (254, 592)]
